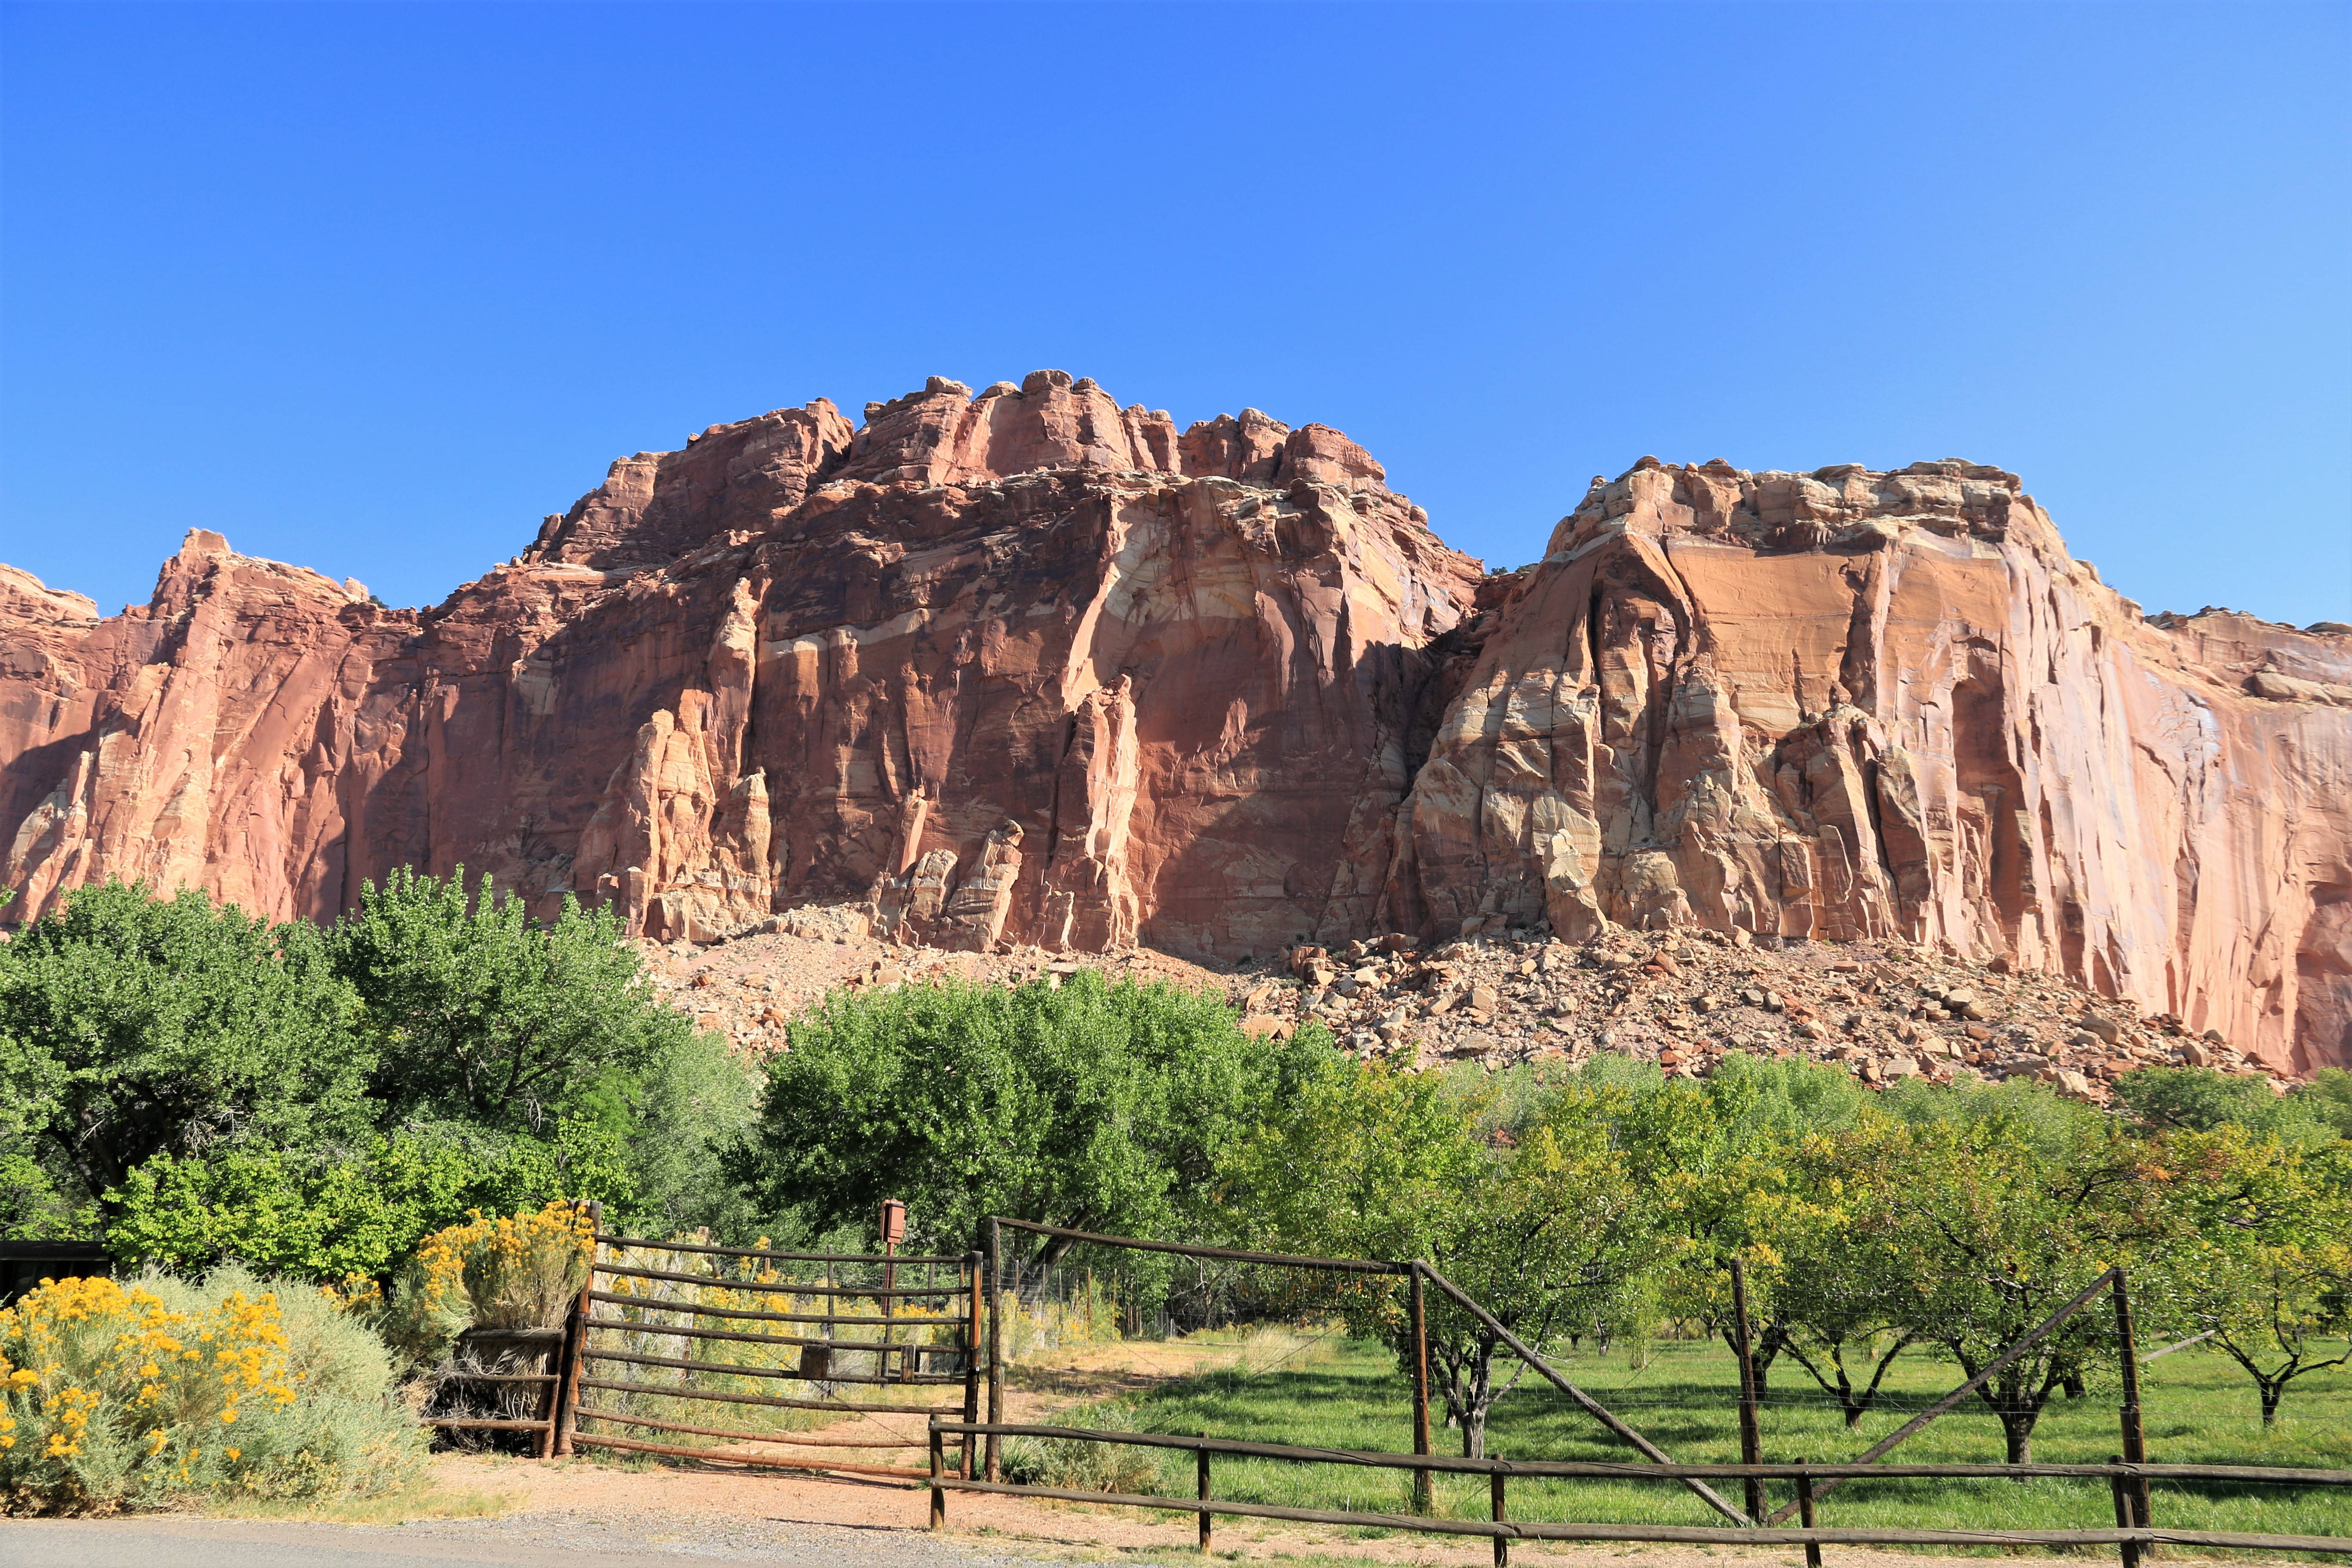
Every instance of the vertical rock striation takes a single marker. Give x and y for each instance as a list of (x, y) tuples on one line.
[(1851, 704), (1028, 665)]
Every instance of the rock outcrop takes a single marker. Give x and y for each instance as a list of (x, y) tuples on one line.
[(1031, 667), (1852, 705)]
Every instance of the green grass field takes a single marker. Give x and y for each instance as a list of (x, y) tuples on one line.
[(1335, 1393)]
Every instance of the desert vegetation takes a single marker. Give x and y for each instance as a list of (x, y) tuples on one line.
[(337, 1150)]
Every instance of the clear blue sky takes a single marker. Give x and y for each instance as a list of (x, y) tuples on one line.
[(373, 287)]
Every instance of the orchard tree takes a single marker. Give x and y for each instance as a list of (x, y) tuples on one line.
[(1835, 1292), (1545, 1227), (1987, 1224), (1720, 1159), (2270, 1278)]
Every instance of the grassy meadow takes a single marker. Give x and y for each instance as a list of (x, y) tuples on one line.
[(1337, 1393)]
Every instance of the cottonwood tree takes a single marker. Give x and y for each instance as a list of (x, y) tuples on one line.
[(132, 1026), (1091, 1106), (478, 1013)]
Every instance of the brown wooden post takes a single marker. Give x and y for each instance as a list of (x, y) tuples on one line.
[(1417, 1354), (1805, 1515), (1202, 1455), (2121, 1486), (1751, 1441), (1494, 1496), (2135, 1437), (938, 1470), (891, 1224), (995, 1341), (964, 1467), (565, 1396)]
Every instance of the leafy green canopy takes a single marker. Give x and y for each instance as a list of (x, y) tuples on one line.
[(2199, 1100), (213, 1085), (1091, 1105), (1543, 1223), (132, 1026), (477, 1012), (356, 1215)]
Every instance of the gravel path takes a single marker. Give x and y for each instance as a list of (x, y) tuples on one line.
[(556, 1540)]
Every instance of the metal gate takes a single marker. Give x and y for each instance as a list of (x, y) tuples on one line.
[(740, 1344)]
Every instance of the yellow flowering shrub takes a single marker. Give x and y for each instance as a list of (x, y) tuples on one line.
[(516, 1271), (115, 1394)]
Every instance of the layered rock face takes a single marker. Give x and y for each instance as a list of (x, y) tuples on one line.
[(1029, 666), (1849, 705), (1024, 664)]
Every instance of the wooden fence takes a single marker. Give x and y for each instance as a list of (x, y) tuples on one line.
[(931, 1334), (1809, 1479)]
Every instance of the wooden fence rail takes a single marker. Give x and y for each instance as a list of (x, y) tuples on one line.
[(2130, 1541)]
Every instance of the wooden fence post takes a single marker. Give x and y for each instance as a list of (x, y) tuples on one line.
[(1494, 1497), (2130, 1550), (1751, 1441), (1805, 1515), (1417, 1353), (996, 1342), (565, 1396), (2134, 1437), (971, 1262), (938, 1468), (1202, 1455)]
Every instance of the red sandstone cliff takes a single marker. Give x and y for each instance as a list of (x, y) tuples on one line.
[(1033, 666)]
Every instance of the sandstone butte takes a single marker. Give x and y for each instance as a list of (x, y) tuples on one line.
[(1031, 667)]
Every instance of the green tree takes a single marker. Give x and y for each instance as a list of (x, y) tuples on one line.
[(680, 1117), (330, 1216), (2327, 1099), (131, 1026), (2270, 1278), (478, 1013), (2199, 1100), (1092, 1106), (1833, 1293), (1719, 1158), (1545, 1227), (34, 1206), (1988, 1224)]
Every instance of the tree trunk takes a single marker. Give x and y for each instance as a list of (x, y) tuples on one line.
[(2270, 1392), (2017, 1428), (1479, 1397)]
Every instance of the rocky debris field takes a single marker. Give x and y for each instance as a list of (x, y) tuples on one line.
[(1683, 999)]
